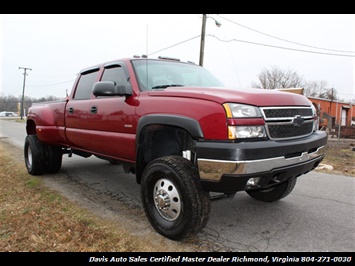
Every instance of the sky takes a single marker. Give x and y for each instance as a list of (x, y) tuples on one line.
[(55, 47)]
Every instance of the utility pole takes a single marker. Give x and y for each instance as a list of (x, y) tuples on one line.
[(203, 34), (202, 45), (23, 90)]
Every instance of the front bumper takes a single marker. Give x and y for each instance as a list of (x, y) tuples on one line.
[(227, 167)]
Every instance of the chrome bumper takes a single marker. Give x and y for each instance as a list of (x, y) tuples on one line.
[(213, 170)]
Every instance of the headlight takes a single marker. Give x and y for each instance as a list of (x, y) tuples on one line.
[(316, 118), (235, 110), (314, 110), (251, 124)]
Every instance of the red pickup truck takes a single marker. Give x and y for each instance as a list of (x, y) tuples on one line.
[(183, 135)]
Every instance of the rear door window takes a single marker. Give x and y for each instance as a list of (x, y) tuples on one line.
[(85, 84)]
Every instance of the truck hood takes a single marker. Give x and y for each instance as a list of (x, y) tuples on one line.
[(257, 97)]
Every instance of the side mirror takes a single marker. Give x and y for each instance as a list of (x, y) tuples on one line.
[(109, 88)]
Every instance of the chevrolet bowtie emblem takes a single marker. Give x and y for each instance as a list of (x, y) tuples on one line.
[(297, 121)]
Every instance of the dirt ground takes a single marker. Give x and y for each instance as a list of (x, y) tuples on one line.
[(340, 155)]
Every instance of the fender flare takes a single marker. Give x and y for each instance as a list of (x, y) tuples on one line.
[(191, 125)]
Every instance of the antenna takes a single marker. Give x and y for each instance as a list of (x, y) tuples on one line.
[(146, 62), (146, 40)]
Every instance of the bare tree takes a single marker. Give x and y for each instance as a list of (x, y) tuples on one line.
[(12, 104), (275, 78), (8, 103), (319, 89)]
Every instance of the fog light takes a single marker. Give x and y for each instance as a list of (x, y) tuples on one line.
[(252, 182)]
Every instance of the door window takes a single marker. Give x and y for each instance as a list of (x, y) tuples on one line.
[(84, 87), (116, 74)]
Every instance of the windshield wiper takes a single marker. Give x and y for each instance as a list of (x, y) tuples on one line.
[(166, 85)]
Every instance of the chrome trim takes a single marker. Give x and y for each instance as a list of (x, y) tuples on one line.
[(210, 169), (276, 119), (282, 107), (287, 120)]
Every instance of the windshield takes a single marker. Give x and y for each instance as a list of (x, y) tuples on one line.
[(157, 74)]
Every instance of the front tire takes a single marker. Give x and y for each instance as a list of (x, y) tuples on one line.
[(173, 199), (275, 193)]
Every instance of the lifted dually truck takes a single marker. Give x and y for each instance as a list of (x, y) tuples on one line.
[(181, 133)]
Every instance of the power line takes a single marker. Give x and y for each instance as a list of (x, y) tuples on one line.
[(279, 47), (52, 84), (281, 39), (198, 36), (255, 43)]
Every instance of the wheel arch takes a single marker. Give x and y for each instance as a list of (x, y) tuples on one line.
[(160, 135), (30, 127)]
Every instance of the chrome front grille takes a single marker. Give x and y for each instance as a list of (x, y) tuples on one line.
[(288, 122)]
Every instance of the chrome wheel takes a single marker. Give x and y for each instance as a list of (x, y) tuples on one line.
[(173, 198), (29, 156), (167, 199)]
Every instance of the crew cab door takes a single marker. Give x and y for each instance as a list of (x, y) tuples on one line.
[(112, 118), (103, 125), (77, 115)]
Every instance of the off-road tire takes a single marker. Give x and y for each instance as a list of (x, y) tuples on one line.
[(275, 193), (53, 159), (34, 153), (173, 183)]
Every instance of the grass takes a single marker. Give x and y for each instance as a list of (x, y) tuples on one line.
[(341, 157), (34, 218)]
